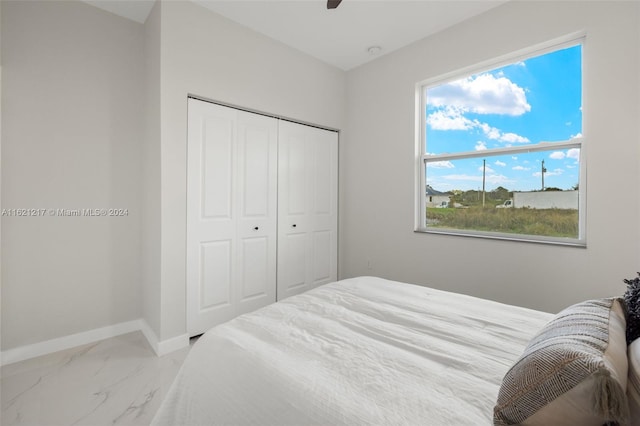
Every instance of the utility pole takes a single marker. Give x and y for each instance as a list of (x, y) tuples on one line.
[(543, 172), (484, 166)]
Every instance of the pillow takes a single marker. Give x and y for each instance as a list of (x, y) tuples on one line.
[(633, 387), (573, 372), (632, 303)]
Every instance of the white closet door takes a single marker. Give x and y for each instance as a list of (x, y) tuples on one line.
[(257, 211), (307, 208), (231, 213)]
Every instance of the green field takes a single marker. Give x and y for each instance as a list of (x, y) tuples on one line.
[(546, 222)]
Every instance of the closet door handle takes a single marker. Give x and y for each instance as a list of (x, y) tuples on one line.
[(256, 228), (294, 225)]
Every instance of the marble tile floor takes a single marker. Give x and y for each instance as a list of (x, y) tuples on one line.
[(117, 381)]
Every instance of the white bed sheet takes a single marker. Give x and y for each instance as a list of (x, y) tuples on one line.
[(358, 351)]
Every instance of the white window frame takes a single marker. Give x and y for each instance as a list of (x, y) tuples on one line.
[(422, 158)]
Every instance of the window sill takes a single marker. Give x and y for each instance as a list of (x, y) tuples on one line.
[(536, 239)]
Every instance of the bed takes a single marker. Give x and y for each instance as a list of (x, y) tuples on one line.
[(358, 351)]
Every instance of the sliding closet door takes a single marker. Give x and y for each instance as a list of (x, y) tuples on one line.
[(231, 213), (257, 203), (307, 208)]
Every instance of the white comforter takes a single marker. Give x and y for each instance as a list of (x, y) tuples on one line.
[(358, 351)]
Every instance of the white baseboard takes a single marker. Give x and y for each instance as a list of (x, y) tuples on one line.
[(165, 346), (150, 335), (66, 342), (173, 344), (22, 353)]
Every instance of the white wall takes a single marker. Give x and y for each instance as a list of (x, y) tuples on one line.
[(150, 202), (379, 161), (71, 106), (205, 54), (0, 185)]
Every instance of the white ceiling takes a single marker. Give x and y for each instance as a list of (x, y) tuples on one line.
[(340, 37)]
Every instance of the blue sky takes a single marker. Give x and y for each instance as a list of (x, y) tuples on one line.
[(531, 101)]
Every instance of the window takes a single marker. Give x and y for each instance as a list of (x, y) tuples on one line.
[(500, 151)]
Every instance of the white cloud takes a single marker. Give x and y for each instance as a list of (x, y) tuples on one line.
[(500, 163), (496, 134), (487, 169), (441, 165), (463, 177), (577, 135), (490, 179), (483, 94), (512, 138), (520, 168), (574, 153), (555, 172), (498, 180), (481, 146), (490, 132), (449, 119)]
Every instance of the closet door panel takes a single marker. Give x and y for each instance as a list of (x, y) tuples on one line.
[(254, 271), (322, 252), (257, 174), (324, 206), (257, 211), (294, 168), (293, 242), (216, 170), (292, 261), (231, 213), (215, 275), (211, 157), (323, 191), (307, 216)]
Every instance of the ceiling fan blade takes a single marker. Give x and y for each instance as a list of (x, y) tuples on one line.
[(332, 4)]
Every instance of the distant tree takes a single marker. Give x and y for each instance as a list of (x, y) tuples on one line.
[(552, 188), (471, 196), (500, 193)]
